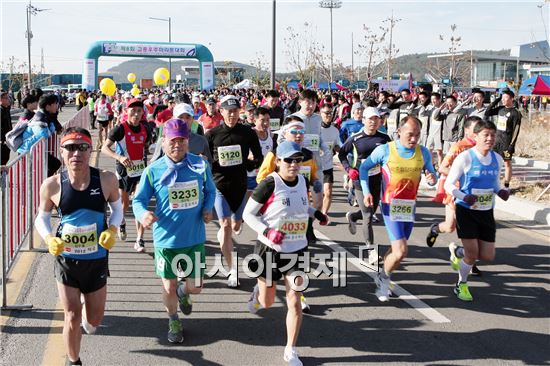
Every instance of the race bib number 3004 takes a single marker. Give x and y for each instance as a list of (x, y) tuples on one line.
[(402, 210), (230, 155), (183, 195), (80, 239)]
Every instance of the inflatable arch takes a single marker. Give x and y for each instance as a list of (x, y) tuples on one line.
[(148, 49)]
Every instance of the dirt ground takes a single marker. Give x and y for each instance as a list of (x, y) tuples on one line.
[(530, 191), (534, 137)]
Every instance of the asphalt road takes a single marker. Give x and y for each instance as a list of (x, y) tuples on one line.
[(507, 323)]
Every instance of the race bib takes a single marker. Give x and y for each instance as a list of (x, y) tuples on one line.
[(305, 170), (274, 124), (183, 195), (485, 199), (230, 155), (501, 123), (294, 227), (80, 239), (402, 210), (138, 166), (311, 141)]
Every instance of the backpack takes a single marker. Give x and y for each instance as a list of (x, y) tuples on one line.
[(14, 138)]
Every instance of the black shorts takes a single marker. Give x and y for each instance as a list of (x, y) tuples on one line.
[(126, 183), (283, 263), (85, 275), (103, 124), (501, 147), (328, 176), (475, 224)]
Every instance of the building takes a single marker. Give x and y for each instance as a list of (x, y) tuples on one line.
[(488, 69)]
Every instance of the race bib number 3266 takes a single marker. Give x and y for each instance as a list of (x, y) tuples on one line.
[(402, 210)]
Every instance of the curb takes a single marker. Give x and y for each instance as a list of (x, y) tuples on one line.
[(538, 212), (539, 164)]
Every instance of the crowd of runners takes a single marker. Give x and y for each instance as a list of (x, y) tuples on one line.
[(268, 159)]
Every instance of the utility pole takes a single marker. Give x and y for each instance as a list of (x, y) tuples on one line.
[(31, 10), (331, 4), (273, 44), (392, 22), (42, 61)]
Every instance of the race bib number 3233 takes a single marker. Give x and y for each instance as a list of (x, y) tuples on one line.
[(183, 195)]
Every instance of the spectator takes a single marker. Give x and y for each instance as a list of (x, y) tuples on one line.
[(5, 127), (30, 103)]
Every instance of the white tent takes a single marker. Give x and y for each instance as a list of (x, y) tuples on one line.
[(245, 84)]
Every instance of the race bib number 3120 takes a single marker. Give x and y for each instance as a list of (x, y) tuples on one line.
[(230, 155)]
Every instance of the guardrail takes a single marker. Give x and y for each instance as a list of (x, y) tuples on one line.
[(20, 182)]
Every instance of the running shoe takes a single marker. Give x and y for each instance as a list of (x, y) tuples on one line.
[(375, 219), (374, 258), (184, 299), (139, 246), (383, 288), (291, 356), (122, 231), (462, 292), (352, 225), (432, 235), (305, 306), (455, 261), (233, 279), (253, 303), (238, 232), (175, 331), (476, 271)]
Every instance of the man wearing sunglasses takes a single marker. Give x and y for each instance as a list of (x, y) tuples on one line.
[(84, 237)]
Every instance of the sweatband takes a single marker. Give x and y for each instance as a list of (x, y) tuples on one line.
[(76, 136)]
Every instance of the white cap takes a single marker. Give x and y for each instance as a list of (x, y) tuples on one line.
[(183, 108), (370, 112)]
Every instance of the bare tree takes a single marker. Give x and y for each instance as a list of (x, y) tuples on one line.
[(261, 75), (298, 48), (17, 72), (371, 49), (390, 51)]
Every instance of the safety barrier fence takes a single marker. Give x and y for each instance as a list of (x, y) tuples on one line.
[(20, 182)]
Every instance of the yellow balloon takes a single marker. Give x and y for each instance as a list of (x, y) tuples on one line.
[(135, 86), (135, 91), (107, 87), (131, 77), (161, 76)]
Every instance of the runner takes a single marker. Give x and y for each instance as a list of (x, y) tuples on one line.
[(131, 138), (478, 171), (82, 241), (448, 226), (361, 145), (276, 112), (229, 144), (104, 115), (263, 120), (282, 201), (402, 163), (508, 124), (184, 189), (329, 135)]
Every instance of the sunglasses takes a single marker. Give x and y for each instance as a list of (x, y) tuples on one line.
[(75, 147), (297, 132), (293, 160)]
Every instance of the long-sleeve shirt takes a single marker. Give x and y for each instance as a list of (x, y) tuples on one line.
[(508, 122), (176, 228)]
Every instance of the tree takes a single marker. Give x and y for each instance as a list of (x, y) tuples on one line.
[(261, 75), (298, 48), (371, 48), (455, 65), (17, 70)]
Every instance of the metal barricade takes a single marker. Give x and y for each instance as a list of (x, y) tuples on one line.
[(20, 182)]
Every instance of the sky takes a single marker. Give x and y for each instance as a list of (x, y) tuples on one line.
[(241, 30)]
